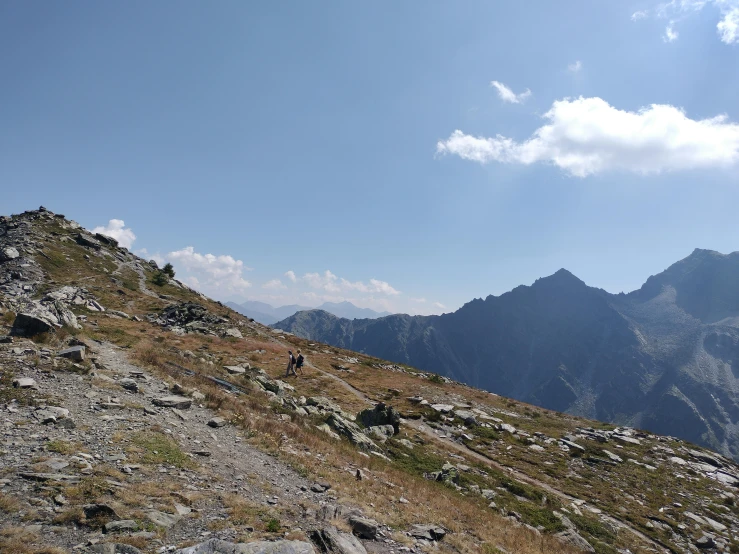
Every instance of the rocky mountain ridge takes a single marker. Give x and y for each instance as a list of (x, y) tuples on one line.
[(664, 357), (267, 314), (158, 420)]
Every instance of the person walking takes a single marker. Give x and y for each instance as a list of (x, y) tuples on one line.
[(290, 364), (299, 363)]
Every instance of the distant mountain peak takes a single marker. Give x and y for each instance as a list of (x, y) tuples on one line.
[(561, 277)]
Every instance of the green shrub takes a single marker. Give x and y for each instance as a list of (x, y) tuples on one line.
[(273, 526)]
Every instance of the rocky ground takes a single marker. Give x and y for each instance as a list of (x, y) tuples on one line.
[(141, 417)]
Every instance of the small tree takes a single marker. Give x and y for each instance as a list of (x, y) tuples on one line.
[(160, 279), (169, 270)]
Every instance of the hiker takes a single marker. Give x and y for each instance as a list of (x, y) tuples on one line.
[(290, 364), (299, 363)]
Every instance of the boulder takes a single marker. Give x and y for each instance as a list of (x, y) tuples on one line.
[(380, 432), (129, 384), (76, 353), (8, 253), (87, 240), (351, 431), (217, 546), (234, 369), (110, 241), (93, 511), (179, 402), (331, 540), (234, 333), (363, 527), (31, 323), (381, 414), (428, 532), (705, 542), (51, 414)]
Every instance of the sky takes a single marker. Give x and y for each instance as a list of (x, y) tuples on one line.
[(405, 156)]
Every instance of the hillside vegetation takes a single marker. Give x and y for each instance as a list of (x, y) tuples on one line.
[(164, 419)]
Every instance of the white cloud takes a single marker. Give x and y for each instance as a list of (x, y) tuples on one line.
[(641, 14), (671, 34), (439, 305), (575, 67), (291, 275), (213, 275), (274, 284), (728, 27), (116, 228), (507, 95), (677, 10), (331, 283), (586, 136)]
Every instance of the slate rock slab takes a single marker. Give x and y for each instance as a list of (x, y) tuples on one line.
[(217, 546), (179, 402), (76, 353)]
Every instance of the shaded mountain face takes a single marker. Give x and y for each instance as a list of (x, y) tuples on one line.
[(664, 357), (268, 315)]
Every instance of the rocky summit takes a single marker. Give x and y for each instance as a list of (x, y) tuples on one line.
[(663, 358), (139, 416)]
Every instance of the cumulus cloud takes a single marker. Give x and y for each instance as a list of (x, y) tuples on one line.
[(209, 273), (507, 95), (291, 275), (641, 14), (671, 34), (116, 228), (331, 283), (575, 66), (274, 284), (585, 136)]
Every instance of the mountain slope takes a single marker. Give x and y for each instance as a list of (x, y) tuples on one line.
[(663, 357), (268, 315)]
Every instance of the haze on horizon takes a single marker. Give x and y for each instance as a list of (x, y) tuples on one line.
[(403, 158)]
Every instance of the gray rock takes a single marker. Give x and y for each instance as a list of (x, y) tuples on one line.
[(51, 414), (381, 414), (380, 432), (217, 422), (443, 408), (129, 384), (120, 525), (234, 369), (179, 402), (25, 383), (705, 542), (351, 431), (119, 313), (29, 324), (363, 527), (428, 532), (161, 519), (87, 240), (217, 546), (8, 253), (98, 510), (331, 540), (571, 444), (572, 538), (114, 548), (233, 332), (76, 353), (613, 457), (105, 239)]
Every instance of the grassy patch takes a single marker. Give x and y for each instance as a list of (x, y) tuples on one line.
[(9, 504), (63, 447), (157, 448)]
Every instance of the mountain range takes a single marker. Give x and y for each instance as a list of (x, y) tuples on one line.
[(664, 357), (267, 315)]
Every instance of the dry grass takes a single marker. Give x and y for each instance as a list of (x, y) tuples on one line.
[(9, 504), (18, 540)]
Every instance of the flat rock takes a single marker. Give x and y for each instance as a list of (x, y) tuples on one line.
[(76, 353), (443, 408), (217, 546), (129, 384), (428, 532), (234, 369), (613, 457), (54, 477), (180, 402), (572, 538), (233, 332), (217, 422), (114, 548), (161, 519), (120, 525), (25, 383), (332, 540), (8, 253), (98, 510)]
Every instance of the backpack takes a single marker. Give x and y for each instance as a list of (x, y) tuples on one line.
[(300, 360)]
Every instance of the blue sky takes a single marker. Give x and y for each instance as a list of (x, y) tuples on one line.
[(403, 155)]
